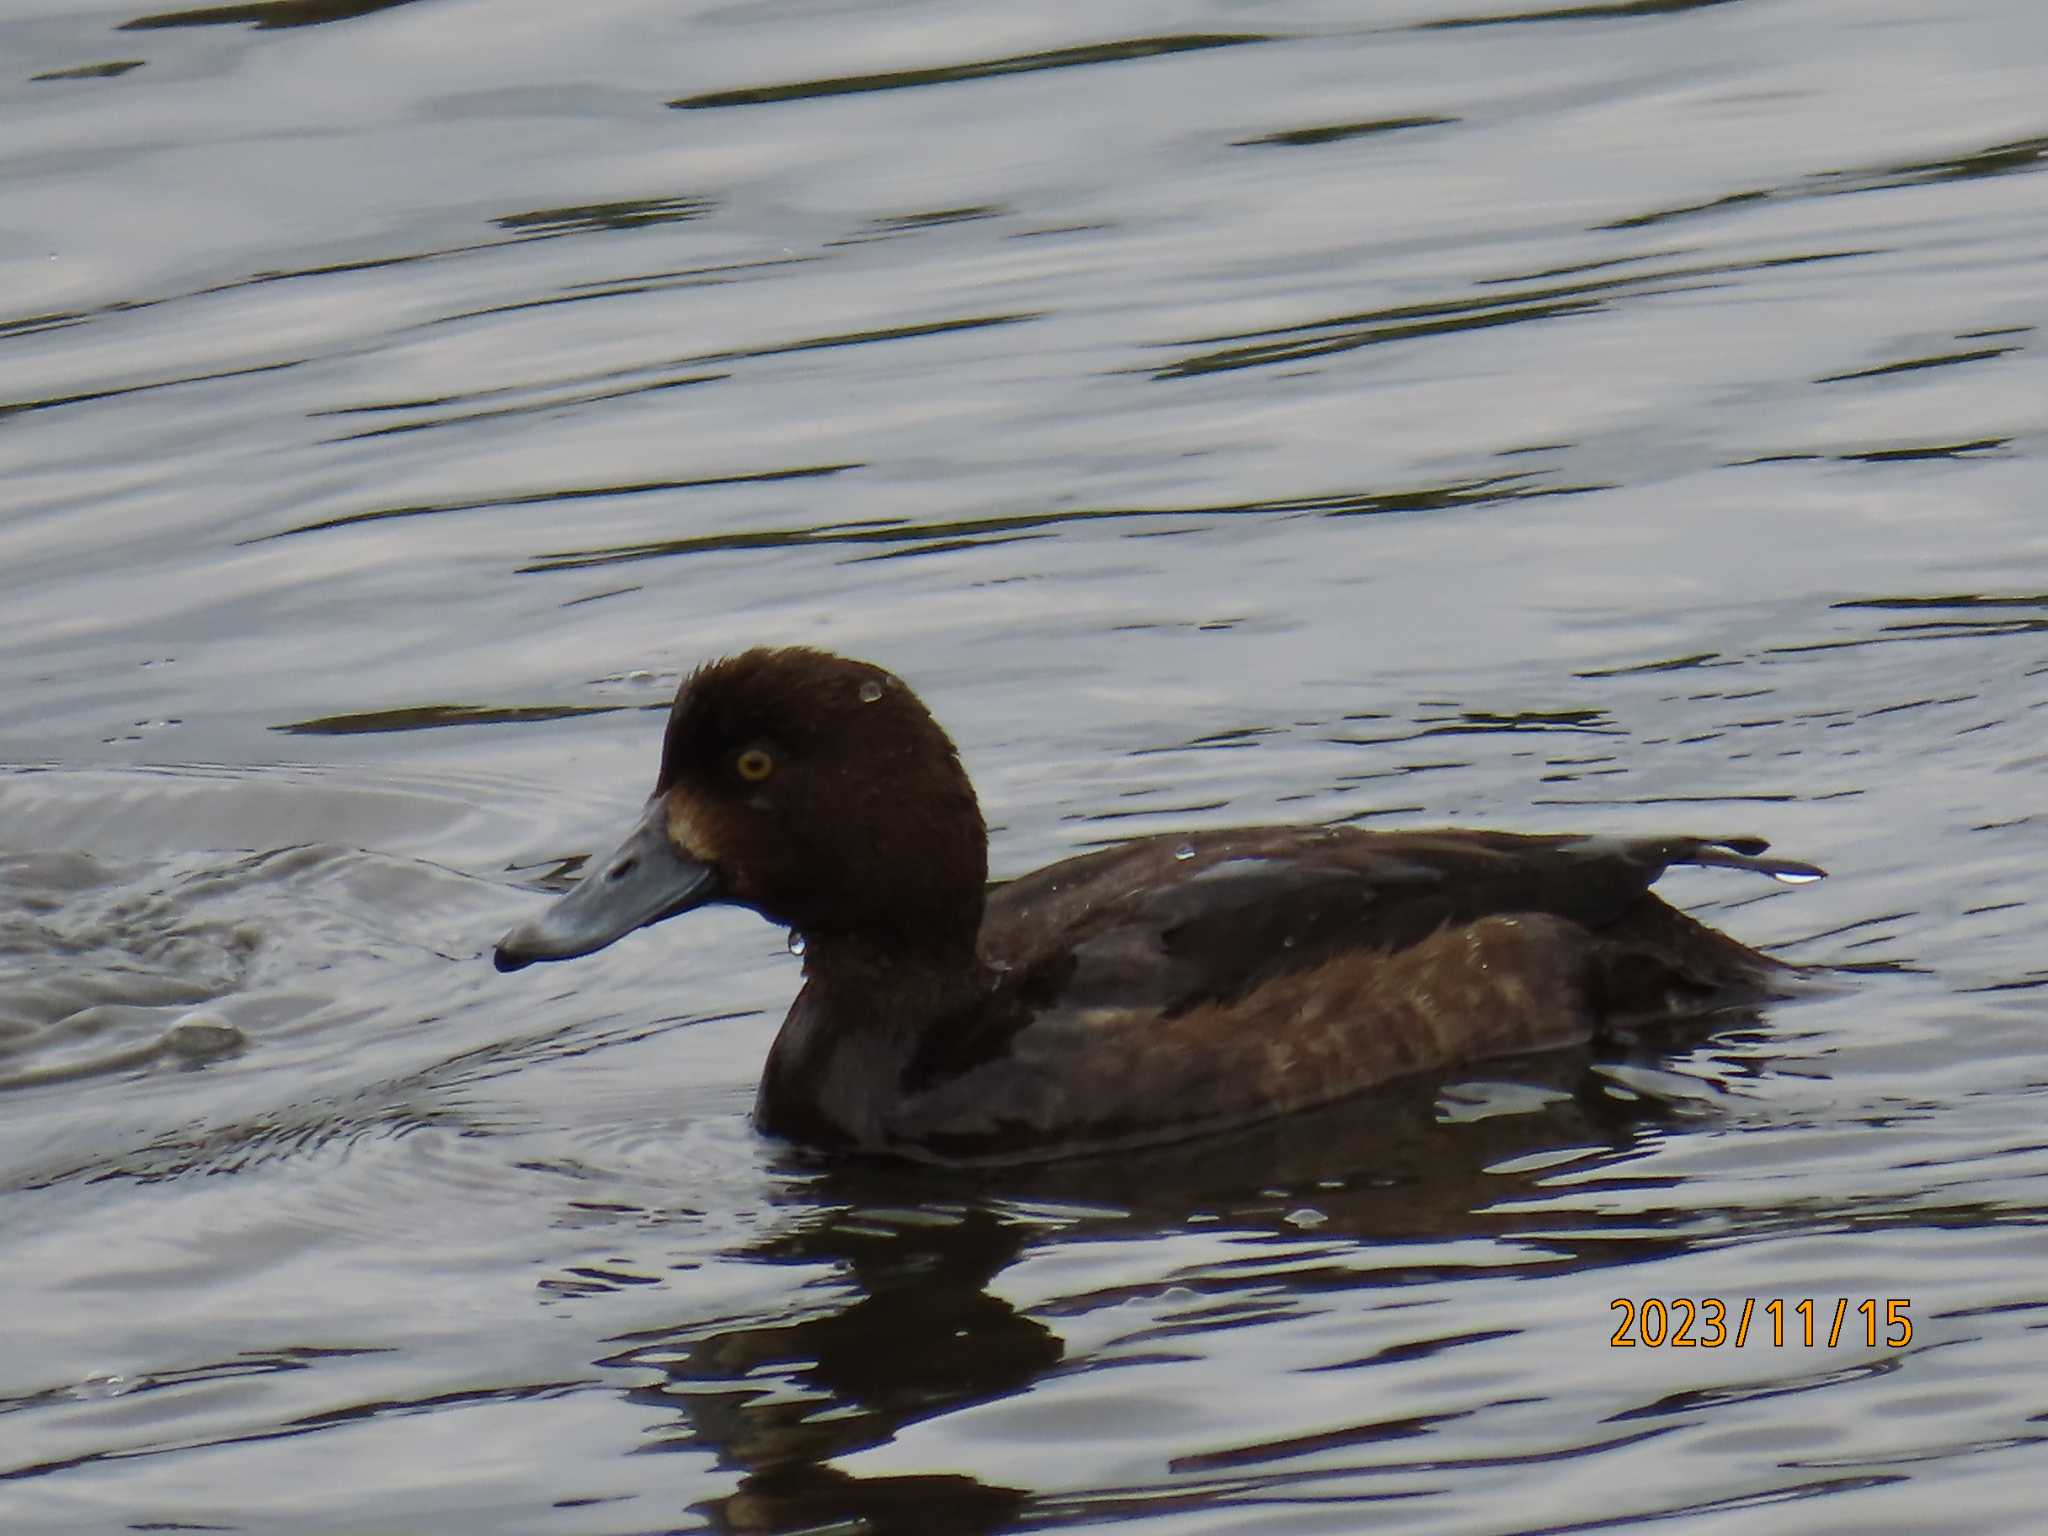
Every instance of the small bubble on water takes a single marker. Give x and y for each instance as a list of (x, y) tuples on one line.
[(870, 691), (796, 943), (1184, 852), (200, 1036), (101, 1384)]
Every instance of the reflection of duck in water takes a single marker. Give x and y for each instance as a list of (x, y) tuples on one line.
[(1159, 989), (1147, 1252)]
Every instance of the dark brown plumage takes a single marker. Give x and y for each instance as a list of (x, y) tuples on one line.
[(1154, 990)]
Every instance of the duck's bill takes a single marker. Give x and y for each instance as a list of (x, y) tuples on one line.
[(640, 882)]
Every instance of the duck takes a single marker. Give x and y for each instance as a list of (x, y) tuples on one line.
[(1164, 988)]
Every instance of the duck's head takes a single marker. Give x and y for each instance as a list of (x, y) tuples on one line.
[(816, 790)]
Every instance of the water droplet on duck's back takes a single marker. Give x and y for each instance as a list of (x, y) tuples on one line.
[(870, 691), (1184, 852), (796, 943)]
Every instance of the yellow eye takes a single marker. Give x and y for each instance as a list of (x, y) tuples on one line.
[(754, 764)]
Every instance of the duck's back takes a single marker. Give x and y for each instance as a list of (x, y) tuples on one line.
[(1175, 984)]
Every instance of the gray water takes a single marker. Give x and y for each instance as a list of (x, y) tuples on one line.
[(1623, 416)]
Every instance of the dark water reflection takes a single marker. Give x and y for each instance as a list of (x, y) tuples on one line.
[(918, 1328), (982, 69), (265, 15)]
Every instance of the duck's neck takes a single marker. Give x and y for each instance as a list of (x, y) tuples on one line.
[(838, 1065)]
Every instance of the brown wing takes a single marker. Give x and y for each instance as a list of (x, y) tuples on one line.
[(1173, 983), (1176, 922)]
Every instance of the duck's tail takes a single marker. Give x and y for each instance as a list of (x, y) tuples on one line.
[(1653, 855), (1656, 961), (1739, 853)]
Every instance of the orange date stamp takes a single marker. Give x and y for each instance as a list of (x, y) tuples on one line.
[(1711, 1322)]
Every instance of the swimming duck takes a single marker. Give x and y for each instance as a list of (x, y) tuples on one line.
[(1162, 988)]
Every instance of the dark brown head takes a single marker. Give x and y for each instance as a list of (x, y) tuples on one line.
[(814, 789)]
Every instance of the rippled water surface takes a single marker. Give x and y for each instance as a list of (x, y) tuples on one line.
[(1617, 416)]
